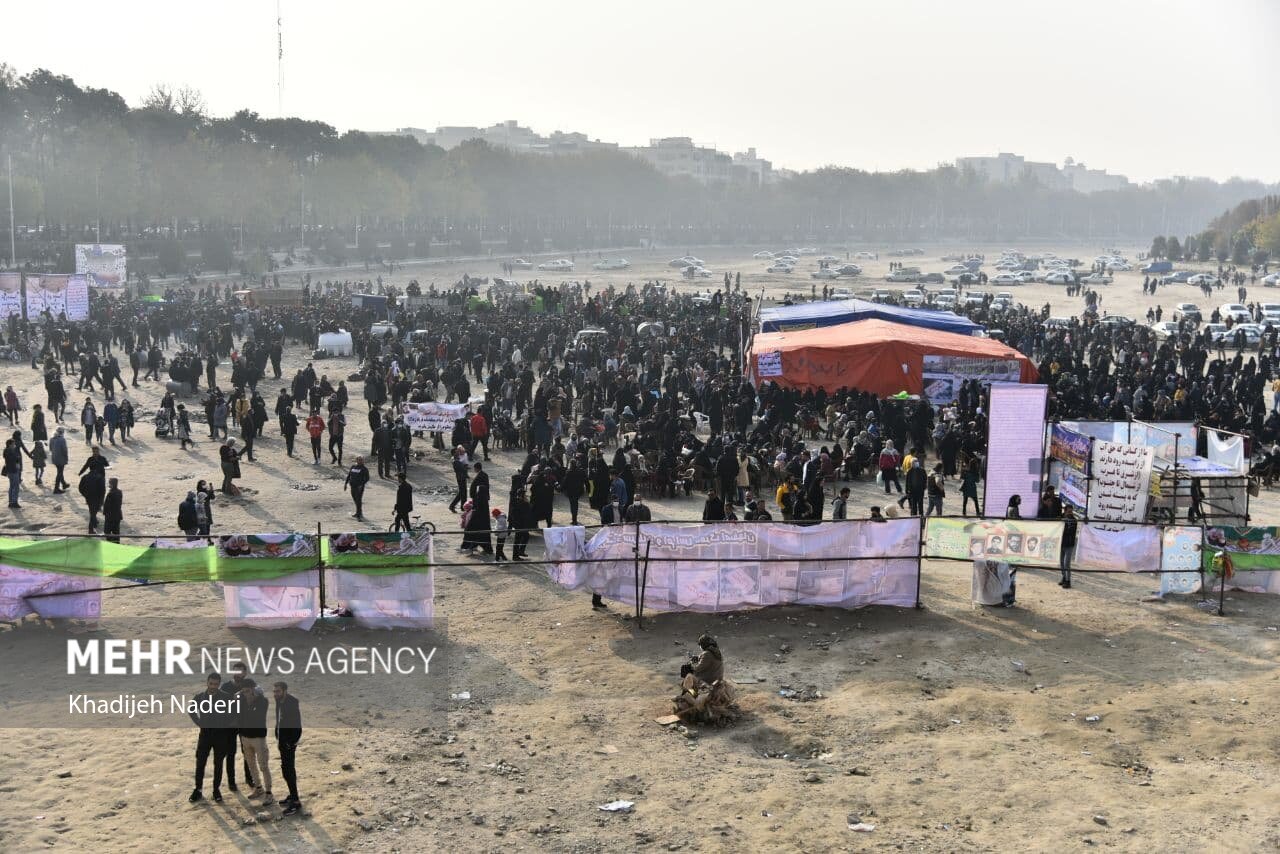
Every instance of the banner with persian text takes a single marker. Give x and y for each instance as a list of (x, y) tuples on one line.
[(432, 417), (1121, 482), (728, 566), (10, 295), (102, 264)]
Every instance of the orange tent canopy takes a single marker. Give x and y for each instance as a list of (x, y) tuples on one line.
[(870, 355)]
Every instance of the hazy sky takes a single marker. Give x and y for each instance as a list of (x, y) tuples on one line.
[(1147, 88)]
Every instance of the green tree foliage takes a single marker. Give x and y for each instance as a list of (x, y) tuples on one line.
[(1241, 249), (1174, 248), (1158, 247), (83, 155)]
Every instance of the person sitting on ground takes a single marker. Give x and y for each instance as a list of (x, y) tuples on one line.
[(706, 696)]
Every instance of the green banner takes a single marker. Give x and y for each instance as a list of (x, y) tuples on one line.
[(1016, 541), (1250, 549), (379, 554), (236, 557)]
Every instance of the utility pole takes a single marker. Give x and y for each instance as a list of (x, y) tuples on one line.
[(13, 244)]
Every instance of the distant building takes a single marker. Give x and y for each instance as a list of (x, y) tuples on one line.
[(678, 157), (1005, 168), (1084, 180), (509, 134), (754, 169)]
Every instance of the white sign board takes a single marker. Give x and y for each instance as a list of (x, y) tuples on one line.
[(769, 364), (432, 417), (1016, 439), (102, 264), (1121, 482)]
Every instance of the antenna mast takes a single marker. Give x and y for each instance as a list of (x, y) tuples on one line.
[(279, 64)]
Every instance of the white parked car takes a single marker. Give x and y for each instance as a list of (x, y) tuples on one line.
[(521, 264), (763, 255), (1202, 279), (1235, 311), (865, 255), (779, 267), (808, 250), (914, 299), (1186, 311), (612, 264), (1025, 275), (1096, 279), (1005, 279), (1164, 329), (1252, 334), (825, 273), (1118, 266), (695, 271), (947, 301), (560, 265), (1272, 280), (955, 270), (829, 259), (1058, 277)]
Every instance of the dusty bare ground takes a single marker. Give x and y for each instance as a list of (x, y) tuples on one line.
[(925, 728)]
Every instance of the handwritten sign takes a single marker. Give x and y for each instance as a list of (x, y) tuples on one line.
[(432, 417), (1121, 482), (769, 364)]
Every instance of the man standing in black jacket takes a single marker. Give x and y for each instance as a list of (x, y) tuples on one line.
[(288, 734), (214, 721), (112, 511), (460, 474), (404, 503), (357, 479)]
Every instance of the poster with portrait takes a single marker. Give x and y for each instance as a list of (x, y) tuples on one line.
[(102, 264)]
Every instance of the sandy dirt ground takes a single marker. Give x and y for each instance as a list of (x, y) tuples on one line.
[(925, 727)]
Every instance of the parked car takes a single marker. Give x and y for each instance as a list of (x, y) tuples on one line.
[(1164, 329), (612, 264), (521, 264), (932, 279), (695, 271), (914, 299), (945, 301), (1096, 279), (902, 276), (1187, 311), (850, 270), (865, 255), (1235, 311), (1158, 268), (955, 270), (1059, 277), (1116, 320), (559, 265), (975, 298), (779, 267), (1201, 279), (763, 254), (1252, 335), (825, 273), (1005, 279), (1178, 278), (1271, 281)]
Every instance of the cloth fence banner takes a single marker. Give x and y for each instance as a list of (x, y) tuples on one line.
[(1121, 482), (288, 602), (1180, 560), (1132, 548), (1227, 451), (82, 599), (1016, 428), (727, 566), (395, 587), (432, 417), (10, 295), (1070, 447), (1015, 541), (1254, 553), (380, 553), (405, 600)]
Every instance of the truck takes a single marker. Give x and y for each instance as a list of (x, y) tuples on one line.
[(271, 297), (1158, 267)]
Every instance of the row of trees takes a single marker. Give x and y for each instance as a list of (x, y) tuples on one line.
[(1248, 234), (83, 157)]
